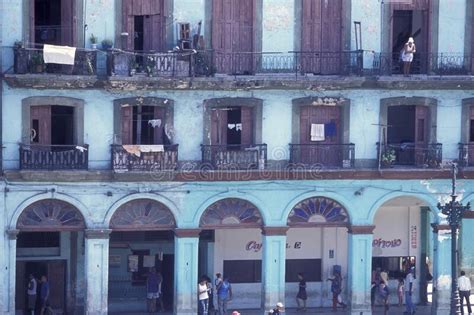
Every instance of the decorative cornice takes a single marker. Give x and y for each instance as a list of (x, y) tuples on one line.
[(12, 234), (98, 233), (187, 232), (274, 230), (361, 229), (440, 227)]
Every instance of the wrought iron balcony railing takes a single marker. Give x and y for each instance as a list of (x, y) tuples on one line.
[(54, 157), (234, 156), (322, 155), (166, 64), (30, 60), (466, 154), (427, 156), (142, 158)]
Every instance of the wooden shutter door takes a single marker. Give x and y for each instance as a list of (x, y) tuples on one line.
[(331, 29), (127, 124), (68, 19), (470, 152), (128, 23), (218, 126), (159, 113), (246, 135), (57, 284), (311, 36), (40, 116), (154, 27), (421, 134), (222, 34)]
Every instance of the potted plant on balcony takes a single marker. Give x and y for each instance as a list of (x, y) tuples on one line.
[(150, 65), (388, 157), (132, 67), (37, 62), (107, 44), (93, 40), (21, 57)]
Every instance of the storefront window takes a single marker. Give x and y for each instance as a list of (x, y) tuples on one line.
[(311, 269), (243, 271), (396, 267)]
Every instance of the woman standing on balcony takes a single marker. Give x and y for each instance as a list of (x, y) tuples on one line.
[(407, 55)]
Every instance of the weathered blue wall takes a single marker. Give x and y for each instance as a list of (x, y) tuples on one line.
[(100, 19), (452, 25)]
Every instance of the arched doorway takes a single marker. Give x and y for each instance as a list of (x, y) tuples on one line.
[(49, 244), (316, 246), (230, 244), (142, 238), (402, 240)]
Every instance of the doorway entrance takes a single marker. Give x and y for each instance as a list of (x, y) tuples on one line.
[(407, 133), (51, 22)]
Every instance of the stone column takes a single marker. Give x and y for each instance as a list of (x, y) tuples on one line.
[(441, 270), (97, 271), (466, 246), (186, 245), (273, 266), (359, 269), (9, 279)]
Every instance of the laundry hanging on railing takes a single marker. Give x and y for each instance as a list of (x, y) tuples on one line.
[(137, 149), (317, 132), (234, 126), (63, 55)]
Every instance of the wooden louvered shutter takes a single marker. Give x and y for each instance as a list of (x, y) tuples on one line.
[(57, 281), (218, 126), (159, 113), (246, 135), (40, 123), (127, 124), (67, 22), (421, 134), (128, 23)]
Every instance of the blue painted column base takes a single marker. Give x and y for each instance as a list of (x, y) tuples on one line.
[(186, 245), (273, 267), (359, 269), (441, 270)]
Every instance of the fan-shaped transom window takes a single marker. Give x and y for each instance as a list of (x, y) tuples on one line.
[(50, 215), (231, 212), (318, 211), (142, 214)]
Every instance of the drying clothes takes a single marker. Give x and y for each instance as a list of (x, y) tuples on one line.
[(230, 126), (330, 129), (62, 55), (81, 148), (317, 132), (132, 149), (152, 148), (155, 123), (238, 127)]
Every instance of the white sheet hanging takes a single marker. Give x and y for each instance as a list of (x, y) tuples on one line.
[(317, 132), (62, 55), (155, 123)]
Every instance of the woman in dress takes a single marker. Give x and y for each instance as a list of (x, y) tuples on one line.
[(407, 55), (301, 296)]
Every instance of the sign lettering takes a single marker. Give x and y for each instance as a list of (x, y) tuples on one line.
[(380, 243), (254, 246)]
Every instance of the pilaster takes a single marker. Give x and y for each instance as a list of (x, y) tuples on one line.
[(186, 244), (273, 266), (97, 271), (359, 269)]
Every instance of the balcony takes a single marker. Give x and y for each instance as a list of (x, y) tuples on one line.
[(30, 61), (436, 64), (466, 154), (138, 158), (234, 156), (168, 64), (54, 157), (310, 156), (409, 154)]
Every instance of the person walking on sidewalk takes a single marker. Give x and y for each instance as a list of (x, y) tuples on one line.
[(409, 289), (301, 296), (464, 286)]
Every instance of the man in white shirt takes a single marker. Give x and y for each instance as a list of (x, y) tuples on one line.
[(32, 286), (409, 289), (464, 287)]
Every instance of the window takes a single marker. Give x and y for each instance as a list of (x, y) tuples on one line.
[(139, 277), (243, 271), (396, 267), (51, 22), (311, 269), (38, 239), (52, 125), (471, 131), (232, 125), (143, 125)]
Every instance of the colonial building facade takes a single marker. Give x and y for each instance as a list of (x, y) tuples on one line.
[(254, 138)]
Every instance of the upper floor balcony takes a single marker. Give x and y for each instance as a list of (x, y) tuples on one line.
[(410, 155), (54, 157)]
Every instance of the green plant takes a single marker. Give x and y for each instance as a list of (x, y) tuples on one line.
[(36, 59), (18, 44), (388, 156), (93, 39), (107, 43), (150, 65)]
